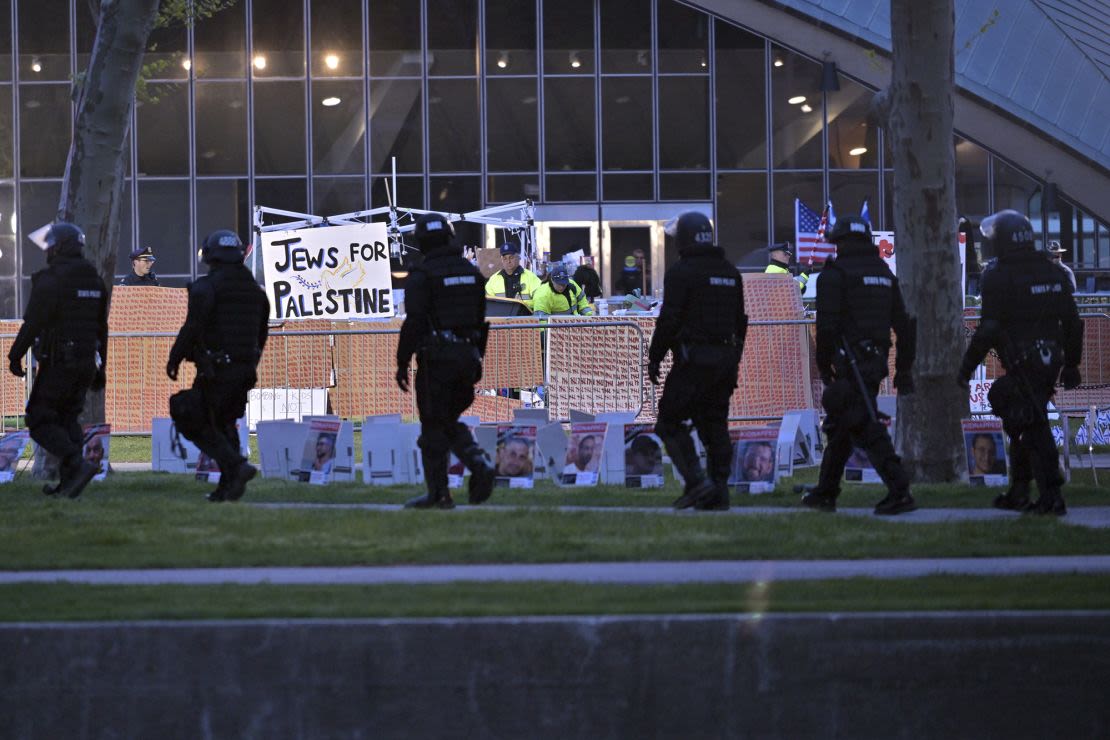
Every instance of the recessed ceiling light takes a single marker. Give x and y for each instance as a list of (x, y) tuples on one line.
[(330, 102), (778, 62), (806, 108), (797, 99), (332, 61), (260, 62), (36, 65), (186, 64), (858, 151)]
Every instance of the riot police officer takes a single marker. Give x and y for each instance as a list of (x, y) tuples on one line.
[(703, 324), (445, 326), (224, 333), (1030, 318), (858, 302), (66, 323)]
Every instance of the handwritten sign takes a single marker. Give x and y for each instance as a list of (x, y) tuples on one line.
[(332, 272)]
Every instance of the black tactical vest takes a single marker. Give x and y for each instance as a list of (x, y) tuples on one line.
[(81, 298), (711, 281), (457, 292), (1028, 295), (240, 308), (867, 294)]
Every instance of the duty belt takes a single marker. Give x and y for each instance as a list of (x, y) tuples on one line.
[(448, 336)]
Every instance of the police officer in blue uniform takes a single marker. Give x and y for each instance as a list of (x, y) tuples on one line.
[(224, 333), (445, 327), (66, 324), (858, 303), (703, 325), (1030, 318)]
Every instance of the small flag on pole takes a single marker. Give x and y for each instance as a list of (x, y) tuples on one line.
[(809, 231), (865, 213)]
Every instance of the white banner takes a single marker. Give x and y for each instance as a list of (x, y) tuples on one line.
[(332, 272)]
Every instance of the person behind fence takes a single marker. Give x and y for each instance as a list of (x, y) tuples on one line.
[(558, 295), (66, 327), (142, 268), (778, 263), (224, 334), (512, 280), (1030, 319), (858, 302), (702, 324), (446, 329), (1056, 254)]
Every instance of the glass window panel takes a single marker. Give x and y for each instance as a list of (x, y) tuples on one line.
[(334, 195), (848, 190), (409, 193), (568, 37), (683, 38), (8, 222), (162, 137), (796, 126), (685, 186), (395, 49), (278, 38), (287, 193), (452, 37), (279, 146), (337, 38), (7, 137), (849, 131), (44, 130), (221, 128), (511, 188), (458, 195), (43, 40), (453, 144), (511, 138), (570, 188), (971, 180), (1012, 189), (38, 205), (222, 204), (395, 126), (742, 218), (220, 44), (167, 53), (741, 90), (86, 34), (888, 210), (625, 136), (126, 238), (626, 36), (164, 224), (510, 37), (684, 123), (5, 42), (788, 186), (338, 127), (569, 124), (628, 187)]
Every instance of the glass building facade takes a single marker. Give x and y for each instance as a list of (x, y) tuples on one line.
[(649, 105)]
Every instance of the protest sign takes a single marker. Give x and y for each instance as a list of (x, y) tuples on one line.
[(985, 447), (583, 455), (11, 449)]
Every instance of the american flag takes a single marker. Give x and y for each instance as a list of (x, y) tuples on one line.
[(809, 233)]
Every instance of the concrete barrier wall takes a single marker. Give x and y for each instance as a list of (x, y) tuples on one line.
[(823, 676)]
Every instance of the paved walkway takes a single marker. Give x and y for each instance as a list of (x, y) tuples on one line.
[(702, 571)]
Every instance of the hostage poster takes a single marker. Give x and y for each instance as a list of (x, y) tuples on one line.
[(330, 272)]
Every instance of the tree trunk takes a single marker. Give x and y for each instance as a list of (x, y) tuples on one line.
[(920, 128), (93, 181)]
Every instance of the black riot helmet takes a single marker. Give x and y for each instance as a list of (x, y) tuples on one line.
[(1006, 232), (691, 230), (222, 246), (64, 239), (849, 227), (433, 231)]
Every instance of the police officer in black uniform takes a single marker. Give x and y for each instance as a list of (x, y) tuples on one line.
[(445, 326), (858, 302), (224, 334), (142, 268), (1030, 318), (66, 323), (703, 325)]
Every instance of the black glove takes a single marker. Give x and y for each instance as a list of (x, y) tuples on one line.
[(402, 378), (653, 372), (1070, 377), (171, 369), (99, 380), (903, 383), (16, 366)]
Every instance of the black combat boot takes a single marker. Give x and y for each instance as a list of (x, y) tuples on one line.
[(435, 477), (237, 481), (715, 500), (693, 492), (896, 502), (1050, 503), (76, 474), (816, 498), (1016, 497), (482, 473)]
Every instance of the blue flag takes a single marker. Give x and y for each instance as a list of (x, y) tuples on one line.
[(865, 214)]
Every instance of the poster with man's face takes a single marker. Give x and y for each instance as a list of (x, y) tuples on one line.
[(516, 446), (753, 467), (98, 438), (985, 447), (643, 457), (11, 449), (318, 458), (583, 460)]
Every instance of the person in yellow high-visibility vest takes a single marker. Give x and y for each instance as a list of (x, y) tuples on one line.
[(512, 280), (779, 263), (561, 296)]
